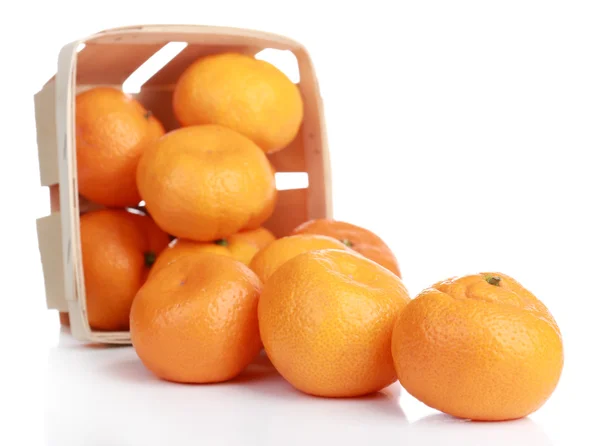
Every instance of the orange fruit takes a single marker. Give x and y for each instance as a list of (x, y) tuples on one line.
[(241, 246), (183, 247), (245, 244), (268, 259), (205, 183), (118, 248), (112, 131), (247, 95), (326, 320), (359, 239), (195, 320), (480, 347)]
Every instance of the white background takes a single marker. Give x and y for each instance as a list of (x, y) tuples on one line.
[(465, 133)]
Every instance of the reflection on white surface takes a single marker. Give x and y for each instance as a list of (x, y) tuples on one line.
[(104, 396)]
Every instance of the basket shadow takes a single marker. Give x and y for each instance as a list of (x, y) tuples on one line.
[(270, 385), (261, 379), (134, 371), (130, 370), (259, 370)]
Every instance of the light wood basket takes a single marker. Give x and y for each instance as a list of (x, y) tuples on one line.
[(108, 58)]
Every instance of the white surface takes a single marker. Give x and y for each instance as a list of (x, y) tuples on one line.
[(465, 133), (92, 395)]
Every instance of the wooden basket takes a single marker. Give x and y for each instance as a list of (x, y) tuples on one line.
[(108, 58)]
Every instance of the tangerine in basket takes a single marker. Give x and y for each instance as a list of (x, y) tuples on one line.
[(326, 320), (206, 182), (250, 96), (112, 131), (242, 246), (268, 259), (245, 244), (195, 320), (361, 240), (480, 347), (118, 249)]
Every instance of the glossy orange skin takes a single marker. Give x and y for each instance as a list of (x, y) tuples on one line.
[(270, 258), (245, 244), (477, 350), (181, 247), (247, 95), (359, 239), (195, 320), (112, 131), (326, 320), (205, 183), (115, 244), (242, 246)]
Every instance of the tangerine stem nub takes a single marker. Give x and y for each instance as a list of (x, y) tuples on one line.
[(148, 114), (347, 242), (149, 258), (221, 242), (493, 280)]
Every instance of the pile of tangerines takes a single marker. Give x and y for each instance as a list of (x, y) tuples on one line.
[(203, 286)]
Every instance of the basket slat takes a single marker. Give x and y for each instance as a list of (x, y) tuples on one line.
[(191, 53), (50, 245), (315, 141), (108, 59), (45, 122), (292, 158), (290, 211), (111, 64)]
